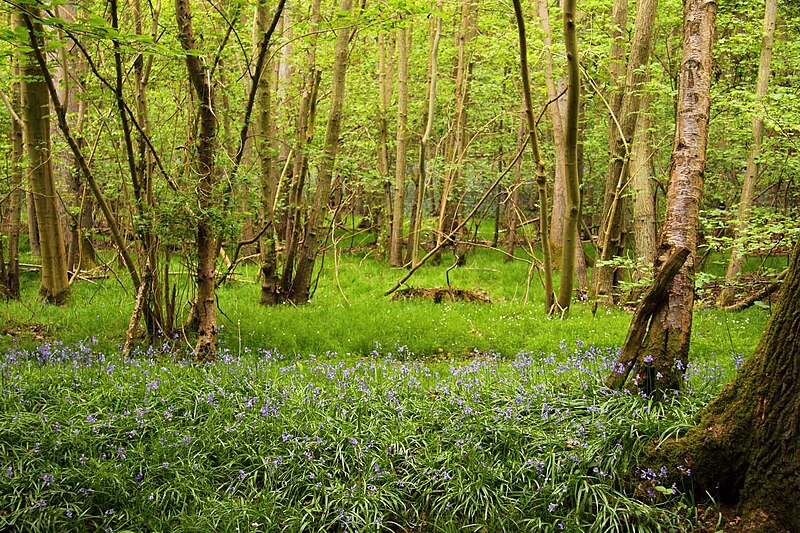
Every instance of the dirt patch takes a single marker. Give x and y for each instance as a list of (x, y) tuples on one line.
[(26, 330), (443, 295)]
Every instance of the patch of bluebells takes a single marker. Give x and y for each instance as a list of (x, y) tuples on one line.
[(134, 440)]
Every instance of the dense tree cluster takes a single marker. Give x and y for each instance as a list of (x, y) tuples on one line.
[(206, 130)]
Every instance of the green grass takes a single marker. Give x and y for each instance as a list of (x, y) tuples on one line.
[(349, 314), (353, 412), (262, 442)]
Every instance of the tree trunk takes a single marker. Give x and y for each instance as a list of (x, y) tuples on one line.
[(665, 347), (78, 226), (556, 111), (620, 138), (572, 185), (456, 146), (205, 311), (266, 151), (430, 109), (36, 111), (745, 448), (304, 131), (157, 317), (314, 234), (383, 220), (549, 296), (398, 203), (612, 222), (644, 204), (751, 173), (9, 284)]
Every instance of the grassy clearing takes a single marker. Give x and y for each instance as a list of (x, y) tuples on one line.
[(352, 413), (264, 442), (350, 315)]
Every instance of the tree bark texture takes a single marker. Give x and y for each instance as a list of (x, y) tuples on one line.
[(203, 169), (36, 110), (751, 173), (571, 183), (666, 344), (398, 201), (745, 448), (315, 234)]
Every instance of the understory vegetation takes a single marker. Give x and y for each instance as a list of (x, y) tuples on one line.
[(384, 442), (355, 412)]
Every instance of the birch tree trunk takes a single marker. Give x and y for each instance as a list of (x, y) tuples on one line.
[(745, 448), (751, 173), (664, 348)]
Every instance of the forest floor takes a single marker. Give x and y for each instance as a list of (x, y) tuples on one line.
[(355, 412)]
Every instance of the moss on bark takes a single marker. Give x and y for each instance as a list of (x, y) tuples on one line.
[(745, 449)]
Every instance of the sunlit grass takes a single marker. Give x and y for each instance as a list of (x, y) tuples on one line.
[(349, 313)]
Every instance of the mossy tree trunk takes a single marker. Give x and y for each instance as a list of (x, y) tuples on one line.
[(746, 447)]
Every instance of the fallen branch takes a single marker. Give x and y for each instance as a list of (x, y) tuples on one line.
[(641, 318), (763, 294), (458, 228)]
